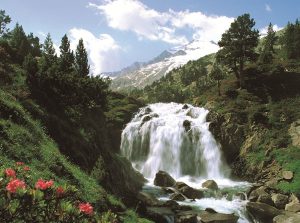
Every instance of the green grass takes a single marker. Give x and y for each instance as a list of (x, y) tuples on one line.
[(289, 159), (131, 217)]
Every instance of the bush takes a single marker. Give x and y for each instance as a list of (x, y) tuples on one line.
[(22, 200)]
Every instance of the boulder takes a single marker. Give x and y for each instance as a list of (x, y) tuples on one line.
[(187, 125), (287, 218), (169, 190), (265, 198), (262, 212), (210, 184), (147, 199), (159, 214), (186, 217), (292, 207), (191, 193), (280, 200), (163, 179), (294, 132), (272, 183), (177, 197), (179, 185), (287, 175), (253, 196), (211, 217), (185, 106)]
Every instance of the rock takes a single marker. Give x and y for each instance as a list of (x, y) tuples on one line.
[(292, 207), (294, 132), (210, 184), (210, 210), (159, 214), (179, 185), (148, 199), (163, 179), (187, 125), (210, 217), (169, 190), (253, 196), (186, 217), (280, 200), (294, 198), (287, 217), (262, 212), (191, 193), (177, 197), (272, 183), (287, 175), (146, 118), (185, 106), (171, 204), (265, 198)]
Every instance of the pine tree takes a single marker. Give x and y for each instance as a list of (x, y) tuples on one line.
[(66, 56), (49, 57), (238, 44), (82, 66), (267, 53), (19, 43), (217, 74), (4, 21)]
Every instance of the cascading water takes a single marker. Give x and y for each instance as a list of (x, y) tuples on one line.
[(174, 138)]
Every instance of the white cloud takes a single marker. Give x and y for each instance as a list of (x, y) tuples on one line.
[(268, 8), (263, 31), (134, 16), (103, 50)]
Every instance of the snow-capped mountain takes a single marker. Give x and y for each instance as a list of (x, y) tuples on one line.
[(139, 75)]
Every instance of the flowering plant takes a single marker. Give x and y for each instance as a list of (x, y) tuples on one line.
[(42, 201)]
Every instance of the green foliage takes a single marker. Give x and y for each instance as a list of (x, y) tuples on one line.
[(4, 21), (238, 46), (267, 51), (66, 62), (132, 217), (81, 60), (291, 40), (289, 158)]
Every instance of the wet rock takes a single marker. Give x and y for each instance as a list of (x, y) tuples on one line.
[(209, 217), (177, 197), (163, 179), (171, 204), (210, 210), (287, 218), (186, 217), (292, 207), (287, 175), (191, 193), (179, 185), (169, 190), (187, 125), (265, 198), (146, 118), (147, 199), (160, 214), (262, 212), (185, 106), (148, 110), (210, 184), (280, 200)]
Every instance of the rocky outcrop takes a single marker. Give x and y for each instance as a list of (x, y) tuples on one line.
[(294, 132), (163, 179), (262, 212), (210, 184), (280, 200)]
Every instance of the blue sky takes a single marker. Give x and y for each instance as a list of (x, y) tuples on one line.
[(120, 32)]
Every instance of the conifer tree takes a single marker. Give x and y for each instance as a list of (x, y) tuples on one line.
[(66, 56), (49, 57), (238, 44), (4, 21), (267, 52), (82, 66), (19, 43)]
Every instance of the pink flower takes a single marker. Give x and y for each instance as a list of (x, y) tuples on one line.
[(60, 191), (14, 185), (43, 185), (86, 208), (10, 173), (26, 168), (19, 163)]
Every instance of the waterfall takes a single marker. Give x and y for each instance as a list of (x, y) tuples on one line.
[(174, 138)]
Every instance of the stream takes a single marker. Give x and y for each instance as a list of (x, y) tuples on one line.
[(175, 138)]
